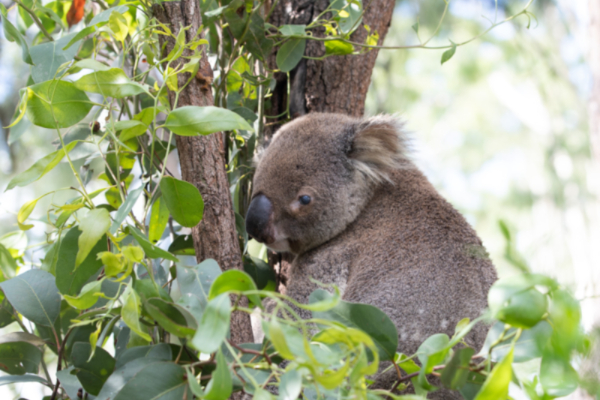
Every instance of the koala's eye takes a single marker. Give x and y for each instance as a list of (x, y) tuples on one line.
[(305, 200)]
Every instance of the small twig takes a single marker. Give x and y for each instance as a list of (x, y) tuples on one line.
[(254, 352), (58, 364), (36, 20)]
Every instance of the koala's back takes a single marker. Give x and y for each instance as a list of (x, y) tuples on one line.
[(411, 254)]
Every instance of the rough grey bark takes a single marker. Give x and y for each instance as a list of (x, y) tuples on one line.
[(202, 161)]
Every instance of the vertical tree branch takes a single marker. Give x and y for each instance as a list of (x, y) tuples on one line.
[(202, 160)]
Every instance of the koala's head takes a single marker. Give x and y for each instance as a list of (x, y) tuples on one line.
[(317, 174)]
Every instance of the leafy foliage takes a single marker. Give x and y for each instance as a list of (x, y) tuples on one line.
[(117, 261)]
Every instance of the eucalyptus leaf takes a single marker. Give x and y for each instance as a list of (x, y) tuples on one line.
[(17, 358), (194, 120), (367, 318), (290, 54), (214, 325), (56, 104), (151, 250), (93, 227), (49, 56), (92, 373), (183, 201), (69, 279), (35, 295), (110, 83)]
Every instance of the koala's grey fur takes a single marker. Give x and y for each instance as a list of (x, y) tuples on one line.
[(375, 226)]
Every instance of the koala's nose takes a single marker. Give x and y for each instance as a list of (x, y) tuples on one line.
[(257, 218)]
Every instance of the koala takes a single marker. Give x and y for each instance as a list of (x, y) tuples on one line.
[(342, 195)]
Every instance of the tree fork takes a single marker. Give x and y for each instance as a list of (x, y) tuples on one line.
[(202, 159)]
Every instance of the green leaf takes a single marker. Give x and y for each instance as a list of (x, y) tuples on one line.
[(56, 104), (447, 55), (519, 308), (234, 280), (290, 54), (557, 376), (220, 386), (214, 325), (290, 385), (88, 296), (69, 382), (194, 120), (151, 250), (8, 379), (279, 340), (131, 313), (118, 24), (111, 83), (17, 358), (338, 48), (40, 168), (531, 343), (157, 381), (496, 384), (34, 294), (183, 245), (456, 372), (92, 227), (183, 201), (262, 274), (89, 63), (92, 373), (125, 209), (433, 351), (145, 117), (80, 35), (12, 34), (196, 281), (48, 57), (292, 30), (104, 16), (367, 318), (171, 317), (68, 278), (8, 265)]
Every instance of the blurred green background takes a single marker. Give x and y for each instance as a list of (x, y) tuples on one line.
[(501, 130)]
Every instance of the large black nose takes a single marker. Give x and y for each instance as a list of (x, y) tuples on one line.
[(257, 218)]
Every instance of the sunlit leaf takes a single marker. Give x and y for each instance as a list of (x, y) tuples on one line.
[(220, 386), (40, 168), (56, 104), (194, 120), (110, 83), (496, 384), (131, 313), (92, 227)]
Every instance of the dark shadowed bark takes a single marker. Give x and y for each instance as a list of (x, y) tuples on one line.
[(202, 161), (335, 84)]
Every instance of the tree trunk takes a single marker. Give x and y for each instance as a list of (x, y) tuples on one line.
[(202, 160), (336, 84)]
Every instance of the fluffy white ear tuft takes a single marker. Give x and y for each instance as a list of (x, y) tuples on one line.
[(378, 147)]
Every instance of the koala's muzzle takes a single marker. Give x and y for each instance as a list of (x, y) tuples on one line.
[(257, 219)]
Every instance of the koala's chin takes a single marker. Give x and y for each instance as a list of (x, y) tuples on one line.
[(342, 195)]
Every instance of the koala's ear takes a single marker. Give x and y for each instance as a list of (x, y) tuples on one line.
[(378, 146)]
